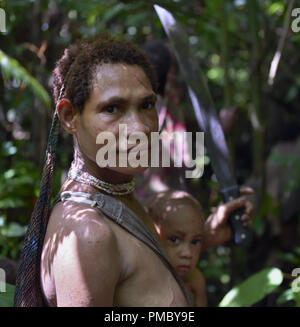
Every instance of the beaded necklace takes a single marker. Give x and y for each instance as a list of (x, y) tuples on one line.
[(86, 178)]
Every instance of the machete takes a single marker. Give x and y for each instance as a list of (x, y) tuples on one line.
[(207, 120)]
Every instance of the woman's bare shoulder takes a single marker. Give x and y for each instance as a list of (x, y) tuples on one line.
[(81, 219), (86, 249)]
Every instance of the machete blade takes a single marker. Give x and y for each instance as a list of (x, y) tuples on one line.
[(207, 118)]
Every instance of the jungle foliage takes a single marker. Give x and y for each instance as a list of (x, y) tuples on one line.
[(235, 42)]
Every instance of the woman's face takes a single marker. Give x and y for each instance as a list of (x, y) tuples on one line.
[(121, 94)]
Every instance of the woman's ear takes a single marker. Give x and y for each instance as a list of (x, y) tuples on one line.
[(67, 115)]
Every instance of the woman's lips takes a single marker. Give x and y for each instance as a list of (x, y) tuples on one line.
[(135, 149)]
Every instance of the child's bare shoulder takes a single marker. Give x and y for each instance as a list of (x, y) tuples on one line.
[(196, 279), (197, 285)]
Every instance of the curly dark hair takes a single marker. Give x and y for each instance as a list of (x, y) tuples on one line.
[(160, 57), (75, 69)]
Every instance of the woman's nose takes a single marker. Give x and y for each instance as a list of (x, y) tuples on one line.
[(137, 122)]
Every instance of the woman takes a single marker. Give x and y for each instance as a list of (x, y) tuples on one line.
[(98, 247)]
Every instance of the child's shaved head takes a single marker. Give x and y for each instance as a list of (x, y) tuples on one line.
[(161, 204), (179, 221)]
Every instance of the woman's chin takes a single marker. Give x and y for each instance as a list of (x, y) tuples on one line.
[(128, 170)]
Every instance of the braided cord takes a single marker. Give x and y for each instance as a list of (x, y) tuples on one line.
[(28, 291)]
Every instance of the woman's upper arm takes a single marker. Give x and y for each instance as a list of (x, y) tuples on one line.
[(87, 266)]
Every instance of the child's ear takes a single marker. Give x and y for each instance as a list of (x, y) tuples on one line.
[(158, 229), (154, 219), (149, 210)]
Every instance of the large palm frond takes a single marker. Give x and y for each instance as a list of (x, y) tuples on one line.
[(11, 68)]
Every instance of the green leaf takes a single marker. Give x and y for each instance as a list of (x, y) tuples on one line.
[(8, 149), (215, 74), (12, 69), (14, 230), (7, 297), (11, 203), (297, 250), (297, 298), (276, 8), (9, 174), (289, 295), (2, 220), (253, 289), (113, 12), (290, 257), (286, 296)]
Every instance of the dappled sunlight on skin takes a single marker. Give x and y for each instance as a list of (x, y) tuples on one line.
[(67, 218), (70, 221), (67, 224)]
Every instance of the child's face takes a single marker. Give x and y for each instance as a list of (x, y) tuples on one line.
[(182, 236)]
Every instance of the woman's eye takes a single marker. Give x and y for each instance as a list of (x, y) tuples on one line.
[(148, 105), (174, 239), (111, 109)]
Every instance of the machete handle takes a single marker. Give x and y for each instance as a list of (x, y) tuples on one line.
[(241, 234)]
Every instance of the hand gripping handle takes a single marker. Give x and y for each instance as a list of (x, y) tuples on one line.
[(241, 234)]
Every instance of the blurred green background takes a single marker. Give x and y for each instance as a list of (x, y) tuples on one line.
[(235, 42)]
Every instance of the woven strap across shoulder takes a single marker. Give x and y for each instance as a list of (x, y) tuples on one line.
[(127, 219)]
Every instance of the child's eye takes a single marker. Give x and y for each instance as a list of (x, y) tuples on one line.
[(196, 242), (174, 239), (148, 105), (111, 109)]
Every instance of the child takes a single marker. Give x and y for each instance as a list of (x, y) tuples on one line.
[(179, 221)]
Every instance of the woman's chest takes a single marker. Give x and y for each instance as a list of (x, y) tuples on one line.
[(146, 280)]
